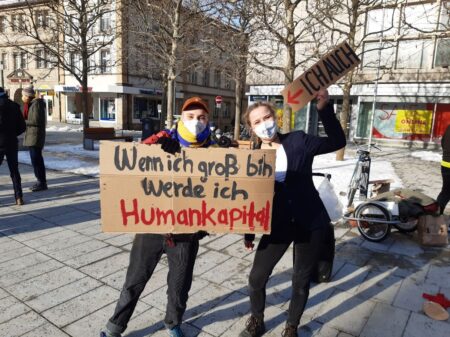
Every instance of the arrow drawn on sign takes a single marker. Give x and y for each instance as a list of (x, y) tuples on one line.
[(291, 99)]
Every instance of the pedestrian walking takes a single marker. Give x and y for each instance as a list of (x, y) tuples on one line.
[(298, 216), (35, 118), (12, 125), (192, 130), (444, 195)]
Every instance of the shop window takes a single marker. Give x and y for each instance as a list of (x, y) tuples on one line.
[(107, 109), (145, 107)]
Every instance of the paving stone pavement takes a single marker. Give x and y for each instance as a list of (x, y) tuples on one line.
[(61, 276)]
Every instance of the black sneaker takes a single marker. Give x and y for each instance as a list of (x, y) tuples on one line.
[(253, 328), (289, 331), (39, 187), (107, 333)]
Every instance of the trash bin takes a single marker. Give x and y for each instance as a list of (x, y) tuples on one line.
[(147, 127)]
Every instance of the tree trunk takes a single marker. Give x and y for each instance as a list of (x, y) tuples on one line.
[(345, 112), (238, 105), (170, 100)]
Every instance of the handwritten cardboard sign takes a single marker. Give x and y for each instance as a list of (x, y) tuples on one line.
[(330, 68), (146, 190)]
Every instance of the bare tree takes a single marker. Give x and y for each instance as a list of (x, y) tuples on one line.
[(70, 33), (229, 38), (345, 20), (166, 33), (284, 28)]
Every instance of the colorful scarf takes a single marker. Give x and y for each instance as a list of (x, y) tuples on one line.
[(187, 139)]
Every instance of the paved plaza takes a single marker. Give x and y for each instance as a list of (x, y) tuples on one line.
[(61, 276)]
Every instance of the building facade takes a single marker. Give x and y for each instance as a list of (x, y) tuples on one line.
[(122, 91), (404, 69)]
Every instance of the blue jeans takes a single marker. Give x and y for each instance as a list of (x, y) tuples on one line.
[(38, 163), (13, 165)]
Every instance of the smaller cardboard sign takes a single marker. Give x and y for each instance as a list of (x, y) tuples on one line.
[(146, 190), (330, 68), (414, 121)]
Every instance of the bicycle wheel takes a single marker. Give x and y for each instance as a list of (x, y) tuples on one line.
[(407, 224), (371, 220), (354, 184)]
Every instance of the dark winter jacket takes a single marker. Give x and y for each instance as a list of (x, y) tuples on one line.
[(35, 133), (445, 142), (12, 124), (297, 206)]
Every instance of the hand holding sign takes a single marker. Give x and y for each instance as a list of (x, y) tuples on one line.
[(322, 98), (332, 67)]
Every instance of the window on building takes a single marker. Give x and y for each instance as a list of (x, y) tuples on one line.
[(415, 54), (105, 61), (419, 18), (228, 83), (145, 107), (105, 22), (442, 53), (444, 22), (20, 60), (371, 54), (226, 109), (206, 78), (42, 19), (17, 22), (75, 62), (107, 108), (375, 24), (4, 61), (2, 24), (193, 76), (41, 61), (216, 111), (218, 78), (71, 25)]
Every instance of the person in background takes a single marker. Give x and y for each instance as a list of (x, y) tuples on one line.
[(444, 195), (298, 215), (35, 118), (12, 125), (192, 130)]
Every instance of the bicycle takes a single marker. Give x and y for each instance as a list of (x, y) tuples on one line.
[(374, 218)]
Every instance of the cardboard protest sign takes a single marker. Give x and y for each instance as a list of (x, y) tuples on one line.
[(333, 66), (146, 190)]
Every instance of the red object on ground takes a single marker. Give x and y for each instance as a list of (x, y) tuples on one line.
[(438, 298)]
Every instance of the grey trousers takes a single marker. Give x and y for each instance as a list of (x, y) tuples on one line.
[(145, 254)]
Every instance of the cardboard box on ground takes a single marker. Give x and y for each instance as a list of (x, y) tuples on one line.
[(432, 230), (146, 190)]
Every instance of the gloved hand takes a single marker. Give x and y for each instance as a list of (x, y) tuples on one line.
[(169, 145), (224, 141)]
